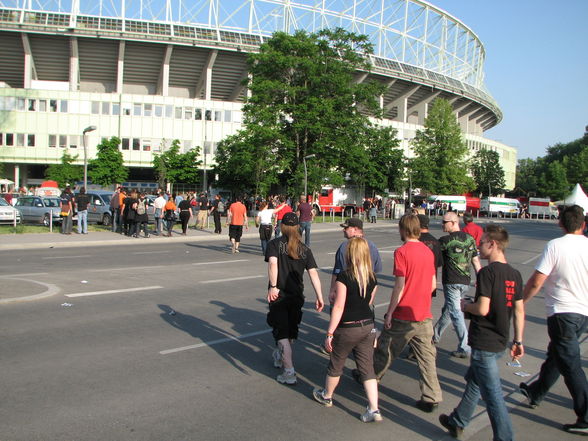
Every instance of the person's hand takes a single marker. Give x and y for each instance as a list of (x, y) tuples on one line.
[(329, 343), (387, 321), (517, 351), (332, 295), (319, 304), (272, 294)]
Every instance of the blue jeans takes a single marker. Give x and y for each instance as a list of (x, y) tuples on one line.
[(564, 358), (452, 312), (483, 379), (305, 228), (83, 222)]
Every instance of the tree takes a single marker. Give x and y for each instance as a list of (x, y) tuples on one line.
[(488, 173), (108, 166), (553, 181), (174, 167), (527, 175), (440, 165), (66, 172), (304, 101)]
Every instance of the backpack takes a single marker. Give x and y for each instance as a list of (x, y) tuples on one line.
[(141, 207), (220, 207)]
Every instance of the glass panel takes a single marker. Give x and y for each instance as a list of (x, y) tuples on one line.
[(10, 139), (125, 143), (52, 140), (136, 143), (217, 115), (95, 107), (62, 141), (73, 141), (127, 109), (137, 108), (1, 138), (148, 110), (63, 108), (30, 140), (20, 104), (187, 112), (116, 109), (178, 113), (32, 105), (227, 116), (105, 108), (146, 145), (53, 105), (20, 139), (208, 115), (159, 111), (198, 114), (168, 111), (42, 105)]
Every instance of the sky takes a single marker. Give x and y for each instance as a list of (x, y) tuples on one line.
[(536, 67)]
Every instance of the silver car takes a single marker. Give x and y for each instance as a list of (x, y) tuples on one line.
[(7, 213), (99, 207), (39, 209)]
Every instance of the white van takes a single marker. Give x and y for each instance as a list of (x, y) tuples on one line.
[(458, 203), (542, 207), (499, 207)]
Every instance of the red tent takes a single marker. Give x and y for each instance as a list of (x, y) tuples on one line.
[(52, 184)]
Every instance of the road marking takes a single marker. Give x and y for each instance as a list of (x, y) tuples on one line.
[(232, 279), (15, 276), (222, 261), (526, 262), (112, 291), (129, 268), (214, 342), (66, 257), (51, 291), (152, 252), (330, 254)]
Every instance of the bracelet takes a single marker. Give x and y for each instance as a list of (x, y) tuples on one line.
[(273, 286), (517, 343), (329, 335)]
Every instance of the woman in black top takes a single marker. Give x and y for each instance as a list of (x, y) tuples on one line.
[(130, 213), (351, 327), (185, 214)]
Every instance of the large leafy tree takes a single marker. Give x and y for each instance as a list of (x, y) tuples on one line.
[(527, 175), (440, 163), (487, 172), (108, 166), (553, 181), (65, 172), (304, 101), (175, 167)]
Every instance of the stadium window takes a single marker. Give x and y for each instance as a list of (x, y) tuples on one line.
[(238, 117), (155, 143), (178, 113), (159, 111), (146, 145), (106, 108), (53, 105), (32, 105), (42, 105), (1, 138), (136, 144), (63, 108), (148, 110), (115, 109), (73, 141), (227, 116), (20, 138), (52, 141), (126, 109), (208, 115), (187, 113), (198, 114), (125, 143), (218, 115), (95, 107), (30, 140), (9, 139), (20, 104), (137, 108), (169, 111), (62, 141)]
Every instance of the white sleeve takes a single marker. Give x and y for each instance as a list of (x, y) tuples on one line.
[(547, 260)]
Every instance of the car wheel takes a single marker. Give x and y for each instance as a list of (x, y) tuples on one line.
[(106, 220), (46, 220)]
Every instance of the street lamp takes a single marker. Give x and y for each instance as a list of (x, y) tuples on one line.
[(86, 130), (306, 175)]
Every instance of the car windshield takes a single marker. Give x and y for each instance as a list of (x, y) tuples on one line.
[(3, 203), (51, 202)]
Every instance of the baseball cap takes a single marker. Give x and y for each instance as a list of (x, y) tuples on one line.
[(290, 219), (423, 220), (353, 222)]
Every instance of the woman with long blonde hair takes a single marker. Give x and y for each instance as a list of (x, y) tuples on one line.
[(351, 328)]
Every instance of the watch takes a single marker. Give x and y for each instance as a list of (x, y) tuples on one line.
[(273, 286), (518, 343)]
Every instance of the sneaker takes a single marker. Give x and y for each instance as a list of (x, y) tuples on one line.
[(524, 390), (460, 354), (426, 406), (577, 428), (277, 356), (454, 431), (289, 379), (371, 415), (319, 395)]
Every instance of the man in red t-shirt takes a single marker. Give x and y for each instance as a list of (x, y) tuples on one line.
[(279, 212), (409, 318), (471, 228)]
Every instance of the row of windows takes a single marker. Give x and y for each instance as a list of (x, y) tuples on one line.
[(17, 140), (126, 109)]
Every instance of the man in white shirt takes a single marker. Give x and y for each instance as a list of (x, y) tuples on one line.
[(563, 270), (158, 205)]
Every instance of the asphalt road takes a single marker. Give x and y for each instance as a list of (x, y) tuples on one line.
[(115, 365)]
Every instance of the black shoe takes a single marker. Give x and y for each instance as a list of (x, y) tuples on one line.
[(460, 354), (577, 428), (524, 389), (426, 406), (453, 430), (356, 376)]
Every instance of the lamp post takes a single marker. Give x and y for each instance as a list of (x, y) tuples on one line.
[(86, 130), (306, 174)]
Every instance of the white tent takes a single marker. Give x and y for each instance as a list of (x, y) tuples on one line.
[(6, 182), (577, 197)]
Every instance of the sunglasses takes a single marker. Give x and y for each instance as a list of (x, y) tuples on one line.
[(446, 222)]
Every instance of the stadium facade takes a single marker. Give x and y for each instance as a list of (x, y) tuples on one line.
[(150, 71)]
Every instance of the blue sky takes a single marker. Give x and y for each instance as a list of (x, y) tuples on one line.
[(536, 67)]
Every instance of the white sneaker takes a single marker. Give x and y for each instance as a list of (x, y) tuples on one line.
[(371, 415), (277, 356), (289, 379)]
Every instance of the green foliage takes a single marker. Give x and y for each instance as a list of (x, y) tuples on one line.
[(527, 175), (175, 167), (304, 101), (108, 166), (553, 181), (66, 172), (488, 173), (440, 165)]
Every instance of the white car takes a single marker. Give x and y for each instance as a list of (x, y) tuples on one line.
[(7, 213)]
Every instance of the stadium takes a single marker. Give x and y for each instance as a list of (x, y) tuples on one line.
[(150, 71)]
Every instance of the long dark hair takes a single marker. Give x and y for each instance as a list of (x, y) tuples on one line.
[(292, 232)]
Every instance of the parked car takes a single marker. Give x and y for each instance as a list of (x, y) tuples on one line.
[(39, 209), (99, 208), (12, 197), (7, 213)]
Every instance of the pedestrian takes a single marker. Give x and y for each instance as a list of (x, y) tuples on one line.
[(408, 319), (236, 218), (263, 220), (131, 213), (351, 328), (373, 212), (471, 228), (185, 214), (306, 215), (203, 213), (216, 209), (114, 210), (279, 212), (67, 208), (287, 259), (82, 202), (459, 252), (159, 205), (498, 300), (170, 215), (141, 217), (563, 272)]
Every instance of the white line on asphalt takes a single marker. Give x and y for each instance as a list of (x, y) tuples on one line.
[(221, 261), (66, 257), (232, 279), (130, 268), (526, 262), (112, 291), (214, 342), (330, 254), (14, 276), (152, 252)]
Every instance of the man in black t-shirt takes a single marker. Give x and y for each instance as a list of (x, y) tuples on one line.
[(499, 297), (216, 214)]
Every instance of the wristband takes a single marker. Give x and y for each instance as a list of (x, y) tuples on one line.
[(329, 335), (517, 343), (273, 286)]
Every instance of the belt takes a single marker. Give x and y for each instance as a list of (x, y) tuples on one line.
[(184, 210), (356, 324)]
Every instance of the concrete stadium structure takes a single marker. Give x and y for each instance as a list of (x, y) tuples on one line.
[(150, 71)]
